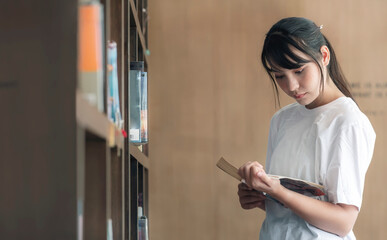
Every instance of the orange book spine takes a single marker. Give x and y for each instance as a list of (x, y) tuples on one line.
[(90, 38)]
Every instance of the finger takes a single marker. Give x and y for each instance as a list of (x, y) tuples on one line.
[(244, 186), (241, 170), (256, 181), (247, 200), (254, 167), (244, 196), (248, 176), (248, 206), (263, 177), (251, 204), (258, 164), (254, 170), (243, 192), (245, 171), (252, 193)]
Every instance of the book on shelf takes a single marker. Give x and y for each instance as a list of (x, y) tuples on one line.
[(300, 186), (144, 107), (113, 102), (138, 132), (90, 53)]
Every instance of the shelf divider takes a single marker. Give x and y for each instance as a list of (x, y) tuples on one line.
[(138, 155), (138, 26)]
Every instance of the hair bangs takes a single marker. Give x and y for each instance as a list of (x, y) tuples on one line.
[(278, 53)]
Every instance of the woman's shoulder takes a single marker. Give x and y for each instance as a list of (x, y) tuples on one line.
[(347, 114)]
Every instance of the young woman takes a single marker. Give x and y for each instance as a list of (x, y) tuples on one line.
[(323, 137)]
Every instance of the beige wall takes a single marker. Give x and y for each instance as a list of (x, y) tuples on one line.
[(209, 97)]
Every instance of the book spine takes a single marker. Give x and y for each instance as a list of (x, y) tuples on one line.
[(114, 112), (90, 56)]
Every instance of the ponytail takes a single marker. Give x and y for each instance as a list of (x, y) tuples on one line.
[(336, 73)]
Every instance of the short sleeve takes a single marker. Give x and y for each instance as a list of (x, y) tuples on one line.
[(350, 155), (270, 143)]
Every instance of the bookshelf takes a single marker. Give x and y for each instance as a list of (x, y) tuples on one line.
[(123, 165), (71, 173)]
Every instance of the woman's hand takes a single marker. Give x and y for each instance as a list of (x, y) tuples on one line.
[(335, 218), (250, 198), (255, 177)]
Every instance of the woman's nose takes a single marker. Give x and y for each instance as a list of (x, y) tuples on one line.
[(292, 84)]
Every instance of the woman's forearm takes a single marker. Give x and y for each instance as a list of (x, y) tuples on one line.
[(335, 218)]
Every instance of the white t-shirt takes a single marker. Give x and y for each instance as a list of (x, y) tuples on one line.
[(331, 145)]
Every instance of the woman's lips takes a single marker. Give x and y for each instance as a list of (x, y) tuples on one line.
[(299, 96)]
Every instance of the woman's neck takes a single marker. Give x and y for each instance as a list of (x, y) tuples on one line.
[(329, 93)]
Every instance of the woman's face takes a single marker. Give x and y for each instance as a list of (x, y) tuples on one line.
[(302, 84)]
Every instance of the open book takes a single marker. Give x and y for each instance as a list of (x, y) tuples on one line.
[(297, 185)]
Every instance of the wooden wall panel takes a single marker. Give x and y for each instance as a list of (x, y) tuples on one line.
[(209, 97)]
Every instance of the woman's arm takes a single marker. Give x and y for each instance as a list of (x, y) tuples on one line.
[(335, 218)]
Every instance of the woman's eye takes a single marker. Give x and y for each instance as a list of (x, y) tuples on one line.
[(299, 71), (278, 77)]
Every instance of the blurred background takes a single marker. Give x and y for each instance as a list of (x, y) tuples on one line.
[(210, 97)]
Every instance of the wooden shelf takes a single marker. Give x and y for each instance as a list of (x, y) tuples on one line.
[(97, 123), (90, 118), (116, 139), (139, 31)]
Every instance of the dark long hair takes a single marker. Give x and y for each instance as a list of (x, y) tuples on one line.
[(305, 36)]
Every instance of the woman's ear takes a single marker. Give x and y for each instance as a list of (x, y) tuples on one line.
[(326, 55)]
